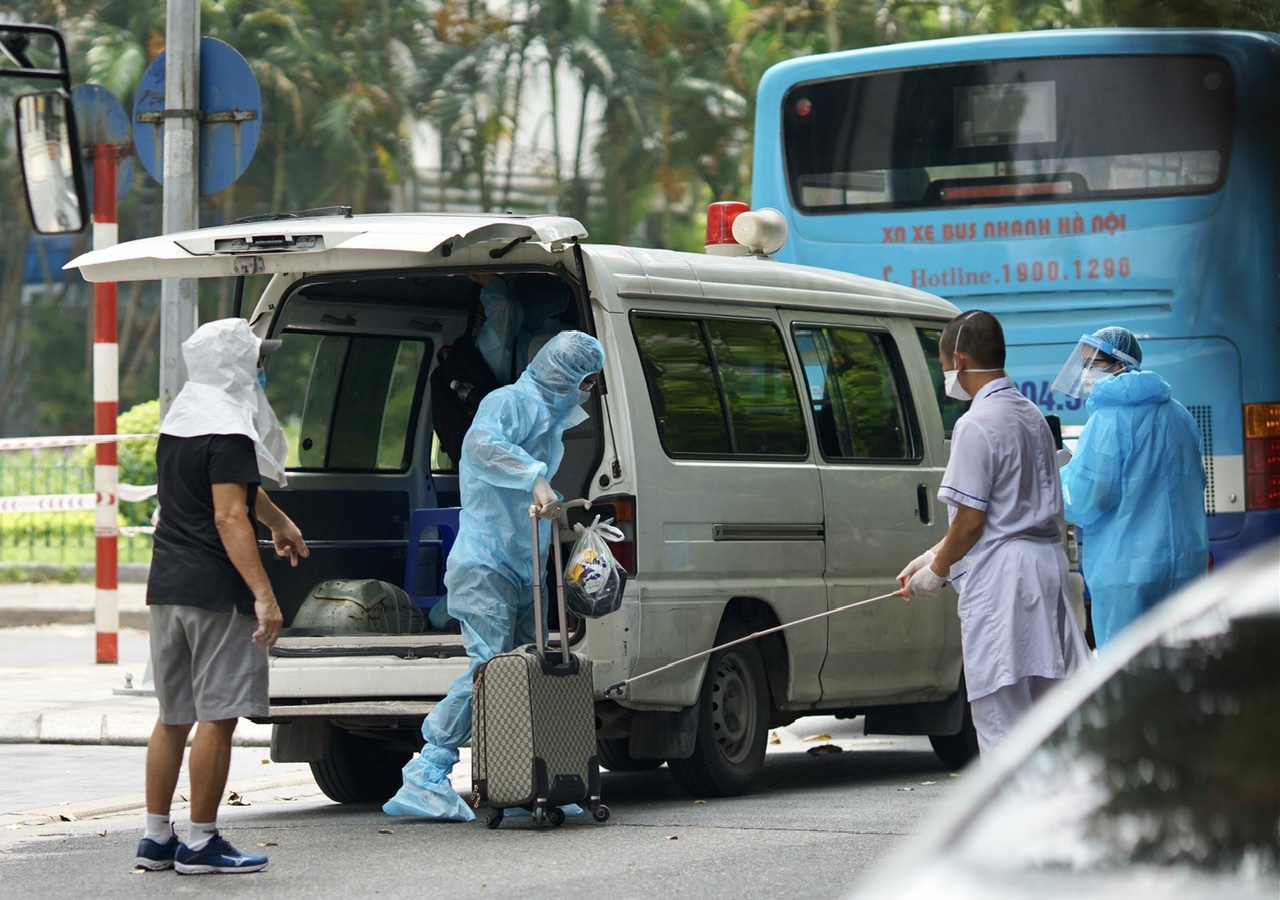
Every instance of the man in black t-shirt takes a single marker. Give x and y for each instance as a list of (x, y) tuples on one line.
[(213, 613)]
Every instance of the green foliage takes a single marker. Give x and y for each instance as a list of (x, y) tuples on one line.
[(135, 460), (1262, 15), (55, 538), (64, 574), (650, 107)]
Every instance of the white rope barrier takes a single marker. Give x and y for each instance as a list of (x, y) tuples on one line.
[(75, 440), (129, 493), (73, 502)]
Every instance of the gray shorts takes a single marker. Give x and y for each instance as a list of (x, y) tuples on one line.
[(205, 665)]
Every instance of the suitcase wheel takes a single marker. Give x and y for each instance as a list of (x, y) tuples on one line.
[(600, 813), (495, 819), (556, 816)]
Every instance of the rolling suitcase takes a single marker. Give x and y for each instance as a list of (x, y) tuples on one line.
[(533, 734)]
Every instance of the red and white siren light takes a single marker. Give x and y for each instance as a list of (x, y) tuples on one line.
[(733, 229)]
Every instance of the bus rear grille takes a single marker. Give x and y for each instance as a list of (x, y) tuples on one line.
[(1204, 420)]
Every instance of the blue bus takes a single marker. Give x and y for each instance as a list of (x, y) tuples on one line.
[(1064, 181)]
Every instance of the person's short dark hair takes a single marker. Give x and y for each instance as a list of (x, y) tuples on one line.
[(980, 337)]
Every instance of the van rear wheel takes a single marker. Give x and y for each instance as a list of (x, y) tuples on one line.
[(615, 755), (358, 769), (733, 722)]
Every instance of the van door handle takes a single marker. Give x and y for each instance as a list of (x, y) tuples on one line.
[(924, 509)]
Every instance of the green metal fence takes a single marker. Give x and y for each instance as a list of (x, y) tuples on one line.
[(60, 537)]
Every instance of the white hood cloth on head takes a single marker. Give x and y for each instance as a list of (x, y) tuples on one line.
[(222, 394)]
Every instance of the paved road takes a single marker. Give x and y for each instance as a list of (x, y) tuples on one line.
[(70, 811), (814, 824)]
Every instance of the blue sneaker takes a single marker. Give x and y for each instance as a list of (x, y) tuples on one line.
[(215, 858), (153, 857)]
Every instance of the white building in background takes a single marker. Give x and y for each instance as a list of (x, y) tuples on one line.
[(525, 169)]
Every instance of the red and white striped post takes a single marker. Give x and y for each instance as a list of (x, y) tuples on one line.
[(106, 401)]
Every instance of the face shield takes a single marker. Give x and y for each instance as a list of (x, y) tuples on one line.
[(1091, 358)]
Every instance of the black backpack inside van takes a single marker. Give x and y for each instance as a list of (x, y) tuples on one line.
[(460, 381)]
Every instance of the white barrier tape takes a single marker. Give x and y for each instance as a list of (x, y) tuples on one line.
[(133, 493), (75, 440), (48, 503), (73, 502), (131, 530)]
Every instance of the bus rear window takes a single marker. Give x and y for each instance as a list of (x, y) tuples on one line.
[(1010, 131)]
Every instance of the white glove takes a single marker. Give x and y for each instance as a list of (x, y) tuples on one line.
[(545, 498), (923, 561), (1064, 457), (924, 583)]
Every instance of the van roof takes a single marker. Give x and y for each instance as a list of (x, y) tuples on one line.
[(347, 243), (637, 274)]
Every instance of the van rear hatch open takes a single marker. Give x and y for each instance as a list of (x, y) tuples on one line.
[(316, 245)]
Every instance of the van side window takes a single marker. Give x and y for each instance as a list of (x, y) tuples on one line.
[(721, 387), (854, 396), (347, 402), (951, 408)]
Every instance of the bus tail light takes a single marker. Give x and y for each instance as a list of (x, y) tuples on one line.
[(1262, 455)]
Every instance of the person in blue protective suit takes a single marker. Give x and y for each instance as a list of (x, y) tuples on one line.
[(510, 324), (1135, 483), (510, 453)]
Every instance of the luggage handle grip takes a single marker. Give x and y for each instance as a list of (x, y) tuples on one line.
[(556, 523)]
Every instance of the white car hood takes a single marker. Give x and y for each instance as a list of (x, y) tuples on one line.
[(319, 244)]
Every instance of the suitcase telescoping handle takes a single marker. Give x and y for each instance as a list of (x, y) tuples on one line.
[(539, 638)]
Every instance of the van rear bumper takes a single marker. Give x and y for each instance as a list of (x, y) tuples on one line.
[(361, 680), (357, 709)]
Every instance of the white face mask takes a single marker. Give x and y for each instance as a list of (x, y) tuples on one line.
[(951, 383), (1090, 377)]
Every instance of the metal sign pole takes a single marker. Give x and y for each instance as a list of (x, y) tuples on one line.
[(178, 310)]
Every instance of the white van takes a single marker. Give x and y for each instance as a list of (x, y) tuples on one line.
[(769, 437)]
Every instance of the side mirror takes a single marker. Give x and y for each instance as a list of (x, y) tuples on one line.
[(48, 150)]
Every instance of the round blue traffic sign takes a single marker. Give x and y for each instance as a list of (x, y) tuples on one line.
[(101, 119), (230, 116)]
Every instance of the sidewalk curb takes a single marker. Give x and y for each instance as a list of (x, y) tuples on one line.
[(20, 618), (106, 806), (118, 730), (126, 572)]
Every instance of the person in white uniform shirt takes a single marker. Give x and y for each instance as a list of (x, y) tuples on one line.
[(1003, 546)]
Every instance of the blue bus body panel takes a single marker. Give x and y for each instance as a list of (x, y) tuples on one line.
[(1195, 277)]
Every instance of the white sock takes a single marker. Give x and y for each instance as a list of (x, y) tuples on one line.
[(200, 833), (159, 828)]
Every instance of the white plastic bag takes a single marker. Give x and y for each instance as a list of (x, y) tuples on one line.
[(593, 579)]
